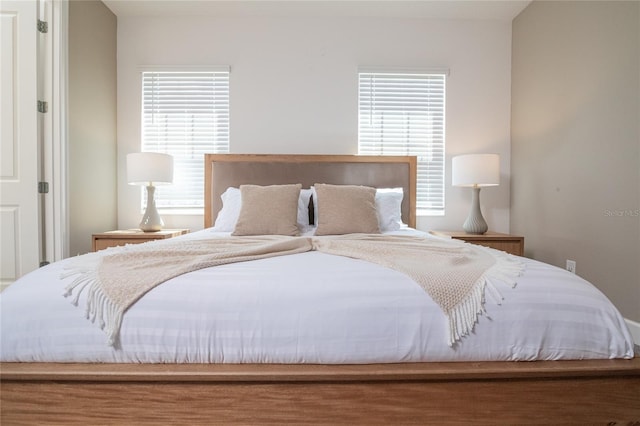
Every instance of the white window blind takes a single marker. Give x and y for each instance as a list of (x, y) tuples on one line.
[(404, 114), (185, 114)]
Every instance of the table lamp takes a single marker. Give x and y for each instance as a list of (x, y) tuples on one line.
[(476, 171), (149, 169)]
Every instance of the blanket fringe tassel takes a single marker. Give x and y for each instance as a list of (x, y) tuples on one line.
[(99, 307), (464, 316)]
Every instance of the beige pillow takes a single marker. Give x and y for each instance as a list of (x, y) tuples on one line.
[(268, 210), (346, 209)]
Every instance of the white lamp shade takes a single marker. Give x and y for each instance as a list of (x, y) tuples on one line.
[(476, 170), (144, 168)]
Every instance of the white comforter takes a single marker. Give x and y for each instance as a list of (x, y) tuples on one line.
[(311, 308)]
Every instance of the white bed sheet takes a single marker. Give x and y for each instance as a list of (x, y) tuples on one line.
[(311, 308)]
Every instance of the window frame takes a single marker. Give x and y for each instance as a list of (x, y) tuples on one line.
[(177, 209), (367, 146)]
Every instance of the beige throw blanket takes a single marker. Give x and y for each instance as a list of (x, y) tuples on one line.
[(116, 281), (453, 274)]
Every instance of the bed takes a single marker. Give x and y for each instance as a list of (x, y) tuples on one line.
[(293, 381)]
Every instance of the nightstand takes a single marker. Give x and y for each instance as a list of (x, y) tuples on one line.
[(131, 236), (510, 243)]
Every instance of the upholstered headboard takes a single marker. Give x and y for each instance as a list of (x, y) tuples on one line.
[(225, 170)]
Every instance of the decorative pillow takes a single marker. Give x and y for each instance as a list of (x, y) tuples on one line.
[(389, 208), (228, 215), (268, 210), (346, 209), (232, 202)]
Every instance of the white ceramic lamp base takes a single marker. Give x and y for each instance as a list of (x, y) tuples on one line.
[(475, 223), (151, 220)]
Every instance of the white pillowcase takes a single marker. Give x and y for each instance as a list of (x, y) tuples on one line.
[(228, 215), (232, 204), (315, 205), (388, 208)]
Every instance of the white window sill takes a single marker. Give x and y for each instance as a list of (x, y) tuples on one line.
[(432, 213)]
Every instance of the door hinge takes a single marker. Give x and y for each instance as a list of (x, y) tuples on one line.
[(43, 187), (43, 106), (43, 26), (44, 263)]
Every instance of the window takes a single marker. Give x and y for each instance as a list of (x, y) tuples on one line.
[(185, 114), (404, 114)]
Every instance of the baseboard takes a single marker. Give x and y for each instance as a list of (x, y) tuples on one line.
[(634, 328)]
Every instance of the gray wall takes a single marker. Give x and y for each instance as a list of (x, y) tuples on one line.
[(575, 164), (92, 122)]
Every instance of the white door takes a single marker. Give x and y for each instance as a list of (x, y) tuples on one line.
[(19, 218)]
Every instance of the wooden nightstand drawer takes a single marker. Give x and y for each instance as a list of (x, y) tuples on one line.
[(513, 244), (131, 236)]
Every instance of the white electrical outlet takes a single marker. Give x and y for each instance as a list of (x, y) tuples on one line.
[(571, 266)]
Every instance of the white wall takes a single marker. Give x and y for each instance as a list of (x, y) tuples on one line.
[(294, 89)]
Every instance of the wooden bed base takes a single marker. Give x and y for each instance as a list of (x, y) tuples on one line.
[(543, 392), (549, 392)]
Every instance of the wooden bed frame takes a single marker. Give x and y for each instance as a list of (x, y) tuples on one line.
[(542, 392), (225, 170)]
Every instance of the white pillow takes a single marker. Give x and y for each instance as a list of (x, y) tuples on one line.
[(315, 205), (228, 215), (232, 204), (389, 208)]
